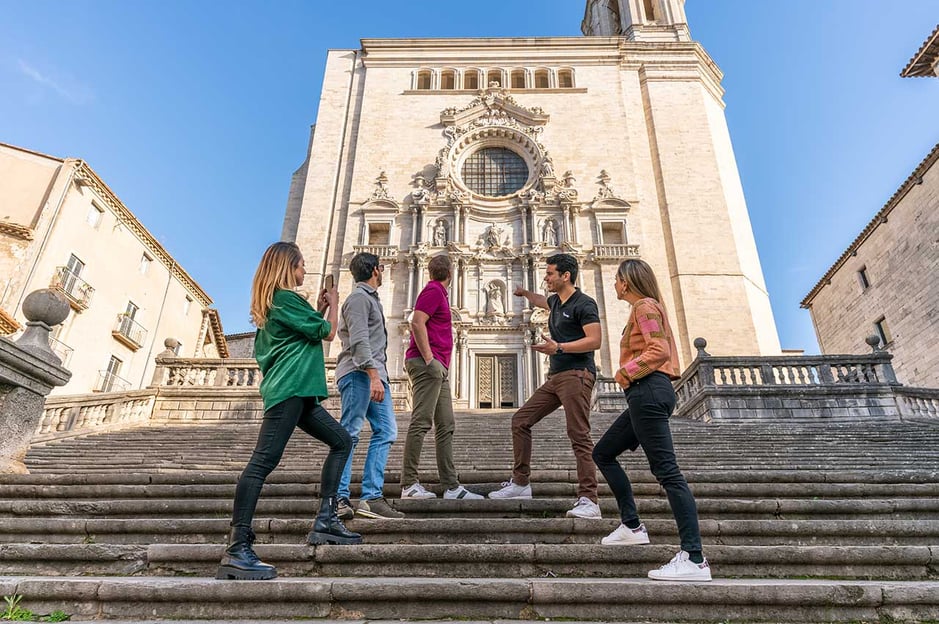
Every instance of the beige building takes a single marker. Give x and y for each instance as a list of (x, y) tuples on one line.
[(887, 281), (62, 227), (502, 152)]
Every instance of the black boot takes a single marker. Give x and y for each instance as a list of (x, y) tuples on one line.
[(240, 562), (329, 529)]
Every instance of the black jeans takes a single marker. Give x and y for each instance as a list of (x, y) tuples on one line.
[(651, 401), (276, 429)]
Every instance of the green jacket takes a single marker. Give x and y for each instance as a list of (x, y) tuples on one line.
[(289, 350)]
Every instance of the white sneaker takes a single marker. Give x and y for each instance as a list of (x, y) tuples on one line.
[(585, 508), (623, 535), (416, 491), (681, 568), (460, 492), (511, 490)]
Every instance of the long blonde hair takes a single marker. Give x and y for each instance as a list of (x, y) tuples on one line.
[(276, 271), (638, 274)]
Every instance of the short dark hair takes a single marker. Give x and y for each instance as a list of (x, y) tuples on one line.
[(564, 263), (362, 265), (439, 268)]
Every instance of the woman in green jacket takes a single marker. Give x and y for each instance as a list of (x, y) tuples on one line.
[(289, 350)]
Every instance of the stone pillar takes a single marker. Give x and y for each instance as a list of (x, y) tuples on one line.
[(463, 355), (410, 303), (28, 372)]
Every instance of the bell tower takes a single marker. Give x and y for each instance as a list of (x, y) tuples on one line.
[(637, 20)]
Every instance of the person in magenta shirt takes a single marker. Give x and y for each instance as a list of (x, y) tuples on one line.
[(427, 363)]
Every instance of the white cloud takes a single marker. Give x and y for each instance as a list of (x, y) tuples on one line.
[(69, 89)]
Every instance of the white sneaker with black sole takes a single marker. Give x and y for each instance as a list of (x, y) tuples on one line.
[(461, 493), (511, 490), (416, 490), (624, 536), (585, 508), (682, 568)]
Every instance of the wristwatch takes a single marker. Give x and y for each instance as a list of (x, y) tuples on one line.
[(559, 350)]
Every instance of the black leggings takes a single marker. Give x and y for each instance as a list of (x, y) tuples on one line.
[(276, 429), (651, 401)]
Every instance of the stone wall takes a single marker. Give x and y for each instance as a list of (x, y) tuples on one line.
[(899, 254)]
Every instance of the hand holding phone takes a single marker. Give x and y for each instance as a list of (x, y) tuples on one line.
[(330, 282)]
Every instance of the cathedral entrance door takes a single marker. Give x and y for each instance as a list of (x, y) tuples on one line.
[(496, 381)]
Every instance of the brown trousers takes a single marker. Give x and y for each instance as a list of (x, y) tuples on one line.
[(571, 389)]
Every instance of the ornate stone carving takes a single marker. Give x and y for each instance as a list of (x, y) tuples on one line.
[(605, 191), (439, 234), (549, 232), (423, 192), (381, 187)]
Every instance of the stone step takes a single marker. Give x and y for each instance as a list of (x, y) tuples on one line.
[(473, 598), (472, 531), (478, 560), (552, 489), (283, 507)]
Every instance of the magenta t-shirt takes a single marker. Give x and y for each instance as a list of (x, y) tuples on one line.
[(434, 303)]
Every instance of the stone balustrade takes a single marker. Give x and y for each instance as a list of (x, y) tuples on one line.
[(65, 416)]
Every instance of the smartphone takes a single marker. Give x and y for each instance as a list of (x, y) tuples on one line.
[(329, 282)]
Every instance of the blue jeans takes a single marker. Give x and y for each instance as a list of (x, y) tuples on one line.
[(355, 390)]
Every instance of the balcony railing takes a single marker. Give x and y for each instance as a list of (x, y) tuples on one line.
[(76, 290), (62, 350), (615, 252), (129, 332), (385, 252), (109, 382)]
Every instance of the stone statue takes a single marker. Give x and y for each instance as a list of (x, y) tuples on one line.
[(440, 233), (549, 232), (492, 237), (495, 307), (547, 167)]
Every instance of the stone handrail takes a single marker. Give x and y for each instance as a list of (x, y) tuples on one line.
[(64, 416), (214, 372), (615, 252), (919, 402)]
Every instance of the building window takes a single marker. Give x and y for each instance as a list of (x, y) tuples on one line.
[(495, 172), (110, 380), (423, 79), (518, 79), (649, 6), (187, 305), (541, 79), (494, 76), (379, 233), (880, 326), (863, 279), (95, 215), (145, 261), (566, 79), (448, 79), (471, 79), (613, 233)]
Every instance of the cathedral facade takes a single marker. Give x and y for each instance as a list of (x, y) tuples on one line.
[(503, 152)]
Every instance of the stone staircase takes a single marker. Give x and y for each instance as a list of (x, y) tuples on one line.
[(807, 523)]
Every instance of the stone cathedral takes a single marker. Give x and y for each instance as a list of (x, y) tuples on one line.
[(502, 152)]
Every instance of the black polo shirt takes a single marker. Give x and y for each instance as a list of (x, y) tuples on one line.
[(566, 324)]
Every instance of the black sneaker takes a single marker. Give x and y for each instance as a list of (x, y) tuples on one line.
[(377, 508), (344, 509)]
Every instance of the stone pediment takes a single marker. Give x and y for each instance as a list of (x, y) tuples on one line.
[(493, 104)]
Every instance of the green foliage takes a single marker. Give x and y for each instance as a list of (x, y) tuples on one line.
[(15, 613)]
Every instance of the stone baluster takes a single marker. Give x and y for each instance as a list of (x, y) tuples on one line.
[(28, 372)]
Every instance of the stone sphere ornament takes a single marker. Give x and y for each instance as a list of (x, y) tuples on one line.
[(46, 306)]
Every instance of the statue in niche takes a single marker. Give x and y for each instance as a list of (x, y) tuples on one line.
[(547, 167), (549, 232), (440, 233), (495, 306), (492, 239)]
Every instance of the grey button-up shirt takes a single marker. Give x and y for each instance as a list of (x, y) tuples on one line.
[(362, 333)]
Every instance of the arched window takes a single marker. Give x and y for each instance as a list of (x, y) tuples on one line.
[(424, 79), (494, 172), (518, 78), (471, 79), (566, 78), (448, 79), (541, 79), (494, 76)]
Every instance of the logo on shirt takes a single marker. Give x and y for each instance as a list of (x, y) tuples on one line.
[(565, 315)]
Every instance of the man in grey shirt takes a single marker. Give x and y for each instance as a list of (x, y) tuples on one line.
[(362, 377)]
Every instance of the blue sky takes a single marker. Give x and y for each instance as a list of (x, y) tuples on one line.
[(196, 113)]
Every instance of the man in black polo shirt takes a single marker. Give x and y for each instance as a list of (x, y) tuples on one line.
[(574, 324)]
